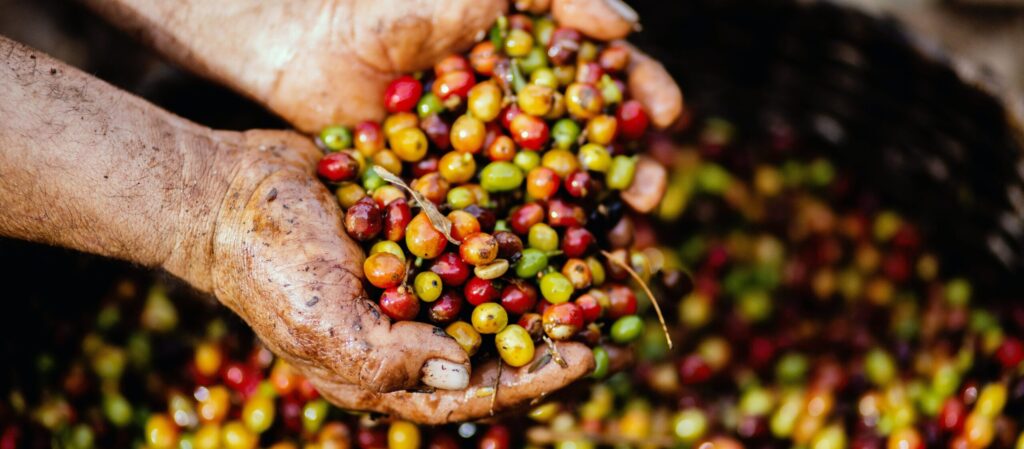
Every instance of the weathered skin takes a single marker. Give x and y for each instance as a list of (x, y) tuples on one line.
[(318, 62), (241, 215)]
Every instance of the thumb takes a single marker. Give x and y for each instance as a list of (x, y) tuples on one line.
[(600, 19)]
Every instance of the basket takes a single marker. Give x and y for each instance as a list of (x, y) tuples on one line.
[(930, 133)]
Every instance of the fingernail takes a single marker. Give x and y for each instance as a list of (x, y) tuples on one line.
[(445, 375), (624, 10)]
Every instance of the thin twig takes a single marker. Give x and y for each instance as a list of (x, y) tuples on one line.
[(643, 285)]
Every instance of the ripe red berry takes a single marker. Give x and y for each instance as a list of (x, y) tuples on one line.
[(519, 298), (363, 219), (576, 242), (451, 63), (368, 137), (562, 321), (952, 416), (529, 132), (402, 94), (621, 301), (590, 307), (694, 370), (397, 216), (478, 291), (496, 437), (399, 303), (338, 167), (579, 184), (565, 42), (589, 73), (437, 130), (425, 166), (372, 437), (632, 120), (508, 114), (454, 84), (1010, 353), (451, 268), (525, 216), (563, 214), (447, 308)]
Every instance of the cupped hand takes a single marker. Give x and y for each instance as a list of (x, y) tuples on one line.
[(340, 70), (282, 261), (321, 62)]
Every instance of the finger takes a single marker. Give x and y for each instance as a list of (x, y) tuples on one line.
[(517, 386), (648, 187), (600, 19), (533, 6), (654, 88)]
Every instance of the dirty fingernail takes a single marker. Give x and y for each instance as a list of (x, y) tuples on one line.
[(445, 375)]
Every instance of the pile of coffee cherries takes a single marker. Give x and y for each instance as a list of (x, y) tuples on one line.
[(816, 318), (807, 315), (482, 199), (134, 373)]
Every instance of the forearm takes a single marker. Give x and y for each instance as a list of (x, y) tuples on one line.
[(86, 166)]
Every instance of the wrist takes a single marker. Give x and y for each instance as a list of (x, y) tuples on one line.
[(209, 163)]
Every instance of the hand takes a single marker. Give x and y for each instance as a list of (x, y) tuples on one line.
[(318, 62), (282, 261)]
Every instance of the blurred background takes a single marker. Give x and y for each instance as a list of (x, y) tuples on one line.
[(54, 296)]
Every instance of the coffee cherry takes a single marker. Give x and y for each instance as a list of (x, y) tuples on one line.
[(467, 135), (464, 334), (338, 167), (563, 214), (478, 291), (453, 85), (432, 186), (632, 120), (451, 268), (565, 42), (577, 242), (396, 218), (479, 249), (529, 132), (369, 138), (399, 303), (527, 215), (578, 184), (583, 101), (447, 308), (422, 239), (577, 272), (384, 270), (590, 307), (514, 345), (410, 144), (483, 58), (336, 138), (519, 297), (489, 318), (451, 63), (562, 321), (621, 301), (556, 288), (464, 224), (428, 286), (402, 94), (363, 220), (541, 183)]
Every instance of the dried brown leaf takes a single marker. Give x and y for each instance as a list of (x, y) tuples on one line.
[(437, 219)]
